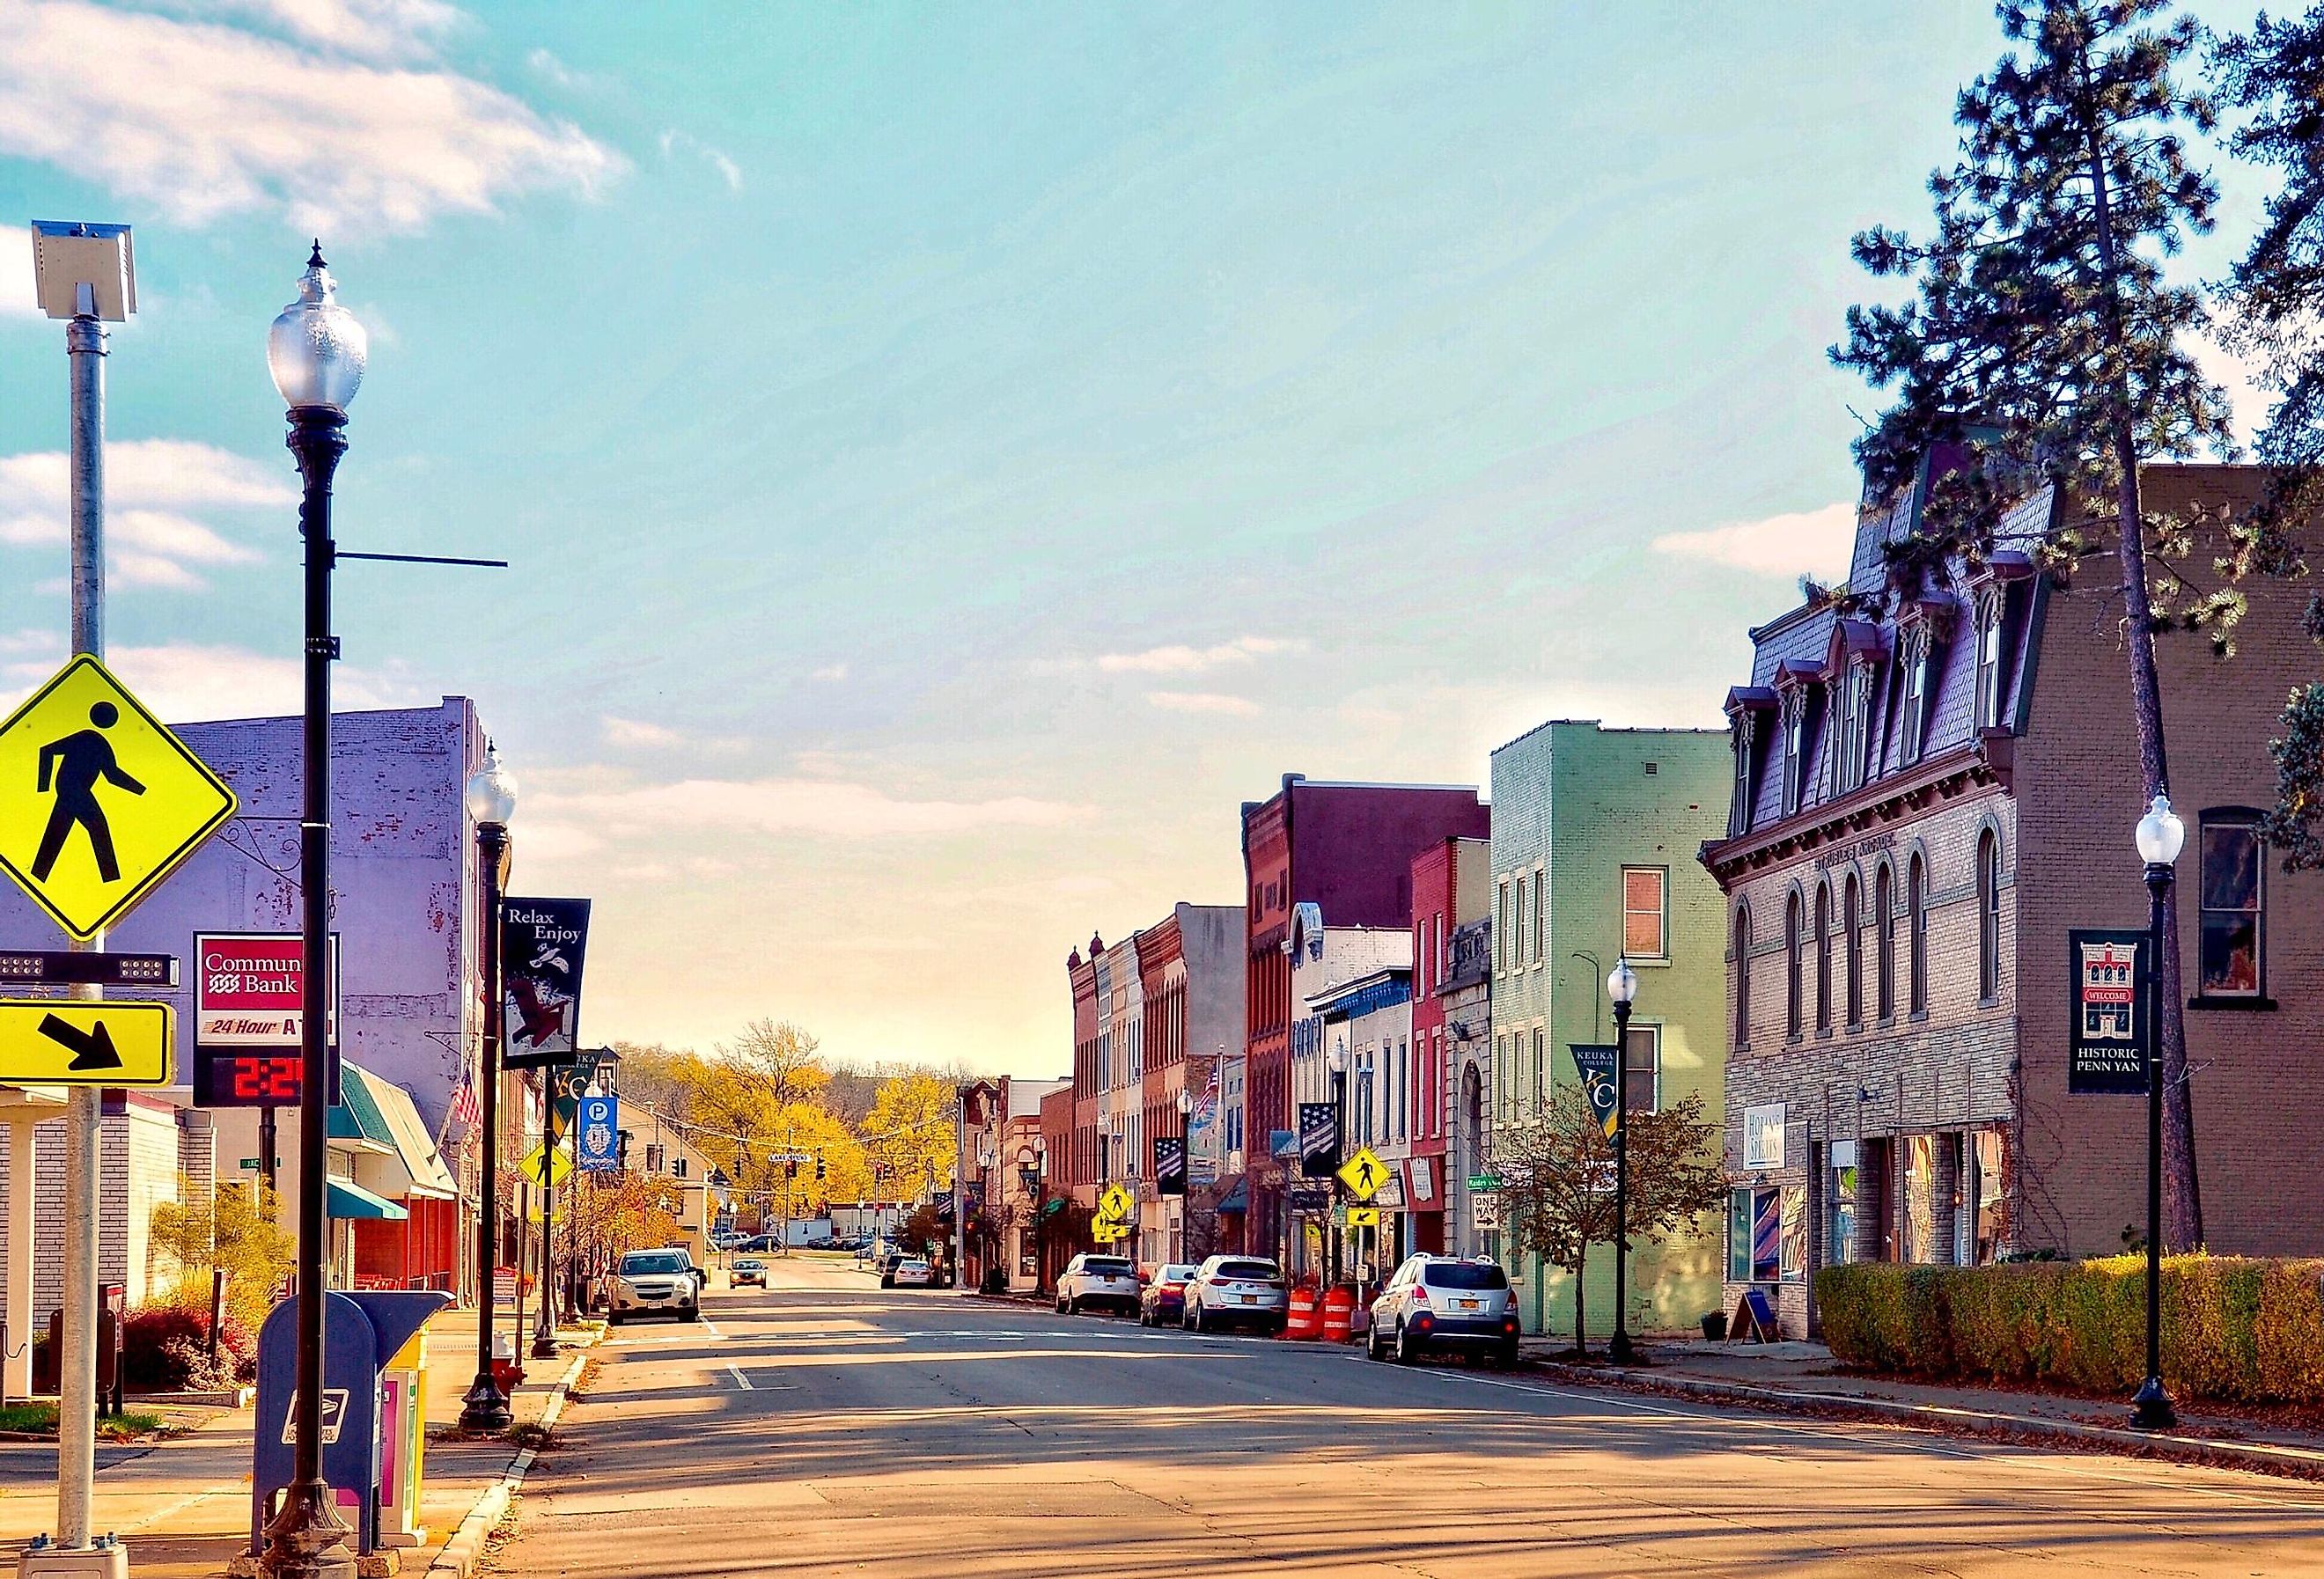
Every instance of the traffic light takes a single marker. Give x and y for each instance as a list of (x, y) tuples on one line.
[(790, 1169), (818, 1168)]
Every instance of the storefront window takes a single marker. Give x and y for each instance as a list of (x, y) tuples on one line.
[(1839, 1246), (1992, 1204), (1755, 1235), (1920, 1225)]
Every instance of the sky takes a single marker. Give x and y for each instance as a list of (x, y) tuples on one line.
[(952, 457)]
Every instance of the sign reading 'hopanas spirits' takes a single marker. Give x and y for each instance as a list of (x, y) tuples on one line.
[(542, 943), (2110, 1040)]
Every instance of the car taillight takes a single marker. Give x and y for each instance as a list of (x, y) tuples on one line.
[(1420, 1296)]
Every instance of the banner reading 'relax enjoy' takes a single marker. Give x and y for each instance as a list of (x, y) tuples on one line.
[(542, 945)]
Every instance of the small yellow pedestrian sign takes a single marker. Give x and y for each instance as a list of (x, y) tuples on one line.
[(1115, 1203), (546, 1165), (99, 801), (70, 1041), (1363, 1216), (1363, 1174)]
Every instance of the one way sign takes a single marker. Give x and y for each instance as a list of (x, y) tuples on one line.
[(63, 1042)]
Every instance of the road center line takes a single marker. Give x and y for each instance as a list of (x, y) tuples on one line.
[(741, 1381)]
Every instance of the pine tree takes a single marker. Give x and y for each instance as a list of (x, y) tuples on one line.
[(2272, 299), (2045, 338)]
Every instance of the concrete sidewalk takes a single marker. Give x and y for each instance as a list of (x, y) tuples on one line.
[(1805, 1377), (183, 1506)]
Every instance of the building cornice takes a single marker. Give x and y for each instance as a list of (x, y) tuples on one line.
[(1886, 801)]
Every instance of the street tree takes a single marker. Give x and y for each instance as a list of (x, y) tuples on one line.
[(230, 1228), (2044, 343), (1557, 1182), (2273, 302), (912, 1129), (609, 1214)]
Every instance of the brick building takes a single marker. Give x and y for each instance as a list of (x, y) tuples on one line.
[(1931, 786), (1346, 849), (1450, 883), (1595, 832), (1191, 974)]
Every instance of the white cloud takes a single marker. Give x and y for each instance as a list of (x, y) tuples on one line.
[(631, 735), (680, 816), (1193, 660), (1816, 542), (184, 682), (17, 300), (831, 671), (675, 140), (151, 485), (1209, 701), (370, 30), (199, 119)]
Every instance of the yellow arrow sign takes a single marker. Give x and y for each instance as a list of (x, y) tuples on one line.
[(1363, 1216), (99, 801), (59, 1041), (544, 1165), (1363, 1174)]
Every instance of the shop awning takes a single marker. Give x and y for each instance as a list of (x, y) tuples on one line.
[(1237, 1200), (413, 1166), (1053, 1205), (347, 1199)]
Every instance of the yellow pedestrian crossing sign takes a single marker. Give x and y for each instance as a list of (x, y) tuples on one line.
[(99, 801), (70, 1042), (546, 1165), (1115, 1203), (1363, 1174)]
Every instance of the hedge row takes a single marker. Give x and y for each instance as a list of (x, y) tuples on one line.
[(2232, 1329)]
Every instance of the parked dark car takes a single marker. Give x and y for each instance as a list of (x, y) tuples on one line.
[(1164, 1298)]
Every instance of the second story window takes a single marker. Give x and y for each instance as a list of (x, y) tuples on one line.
[(1793, 928), (2234, 897), (1644, 913), (1524, 926), (1850, 916), (1988, 916), (1884, 940), (1916, 931), (1743, 976), (1823, 956)]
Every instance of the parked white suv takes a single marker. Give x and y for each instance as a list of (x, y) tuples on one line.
[(1444, 1302), (656, 1282), (1228, 1289), (1098, 1280)]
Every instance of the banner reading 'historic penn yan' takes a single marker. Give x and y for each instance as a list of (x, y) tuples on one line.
[(542, 941)]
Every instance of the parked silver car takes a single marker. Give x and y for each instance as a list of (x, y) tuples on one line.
[(655, 1282), (1237, 1290), (1444, 1302), (1109, 1282)]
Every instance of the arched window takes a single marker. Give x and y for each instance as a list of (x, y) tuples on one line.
[(1792, 965), (1823, 956), (1742, 976), (1916, 929), (1989, 916), (1851, 917), (1884, 940)]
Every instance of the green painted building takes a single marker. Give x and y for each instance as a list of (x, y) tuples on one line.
[(1594, 838)]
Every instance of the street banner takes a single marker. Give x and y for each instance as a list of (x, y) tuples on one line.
[(2110, 1040), (1169, 1165), (570, 1084), (1319, 1140), (1202, 1128), (542, 942), (600, 1134), (1599, 1065), (1310, 1194)]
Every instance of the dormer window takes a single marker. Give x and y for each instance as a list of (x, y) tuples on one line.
[(1738, 805), (1796, 754), (1988, 659), (1856, 723)]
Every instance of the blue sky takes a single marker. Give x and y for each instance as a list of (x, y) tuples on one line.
[(954, 456)]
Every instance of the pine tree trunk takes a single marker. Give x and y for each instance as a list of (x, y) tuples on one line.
[(2182, 1206)]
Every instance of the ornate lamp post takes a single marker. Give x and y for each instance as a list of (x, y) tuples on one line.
[(491, 802), (2159, 837), (1335, 1063), (1621, 987), (1185, 1165), (316, 351)]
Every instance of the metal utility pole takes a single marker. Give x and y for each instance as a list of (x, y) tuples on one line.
[(1622, 986)]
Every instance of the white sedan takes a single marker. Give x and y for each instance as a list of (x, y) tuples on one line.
[(914, 1273)]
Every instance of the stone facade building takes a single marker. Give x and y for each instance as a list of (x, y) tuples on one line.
[(1930, 784)]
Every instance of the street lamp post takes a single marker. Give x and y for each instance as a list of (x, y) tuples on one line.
[(491, 802), (1185, 1165), (316, 351), (544, 1326), (1621, 987), (1336, 1061), (2159, 837)]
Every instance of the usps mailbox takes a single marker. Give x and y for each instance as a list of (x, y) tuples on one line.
[(362, 1332)]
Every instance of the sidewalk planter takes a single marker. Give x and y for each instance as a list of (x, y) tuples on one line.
[(2248, 1331)]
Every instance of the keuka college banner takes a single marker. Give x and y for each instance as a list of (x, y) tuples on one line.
[(542, 942), (2110, 1039)]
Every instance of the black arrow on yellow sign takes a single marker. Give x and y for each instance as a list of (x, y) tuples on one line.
[(92, 1049)]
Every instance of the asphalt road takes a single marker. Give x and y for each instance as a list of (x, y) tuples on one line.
[(825, 1427)]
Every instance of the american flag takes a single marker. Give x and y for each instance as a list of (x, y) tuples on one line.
[(464, 1110)]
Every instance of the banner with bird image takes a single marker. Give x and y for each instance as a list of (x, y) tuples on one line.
[(542, 944)]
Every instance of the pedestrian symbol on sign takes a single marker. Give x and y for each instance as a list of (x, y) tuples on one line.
[(71, 770)]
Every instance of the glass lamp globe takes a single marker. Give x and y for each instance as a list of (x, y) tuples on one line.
[(2161, 834), (1185, 1103), (316, 349), (1621, 982), (492, 791)]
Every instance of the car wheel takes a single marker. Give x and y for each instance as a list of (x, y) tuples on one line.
[(1074, 1305), (1407, 1348), (1505, 1358), (886, 1282), (1061, 1305), (612, 1318), (1191, 1318), (692, 1313)]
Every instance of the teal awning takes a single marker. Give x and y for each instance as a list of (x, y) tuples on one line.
[(355, 1116), (345, 1199)]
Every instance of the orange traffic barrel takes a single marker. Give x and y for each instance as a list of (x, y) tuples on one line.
[(1338, 1316), (1299, 1322)]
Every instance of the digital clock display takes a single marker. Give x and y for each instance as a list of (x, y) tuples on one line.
[(246, 1079)]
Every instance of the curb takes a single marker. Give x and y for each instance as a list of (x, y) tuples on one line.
[(460, 1553), (2283, 1463)]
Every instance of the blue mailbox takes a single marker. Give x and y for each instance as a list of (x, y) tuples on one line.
[(361, 1333)]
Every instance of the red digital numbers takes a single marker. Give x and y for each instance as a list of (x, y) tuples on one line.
[(264, 1078)]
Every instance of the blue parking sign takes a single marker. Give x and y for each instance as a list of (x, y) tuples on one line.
[(601, 1133)]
